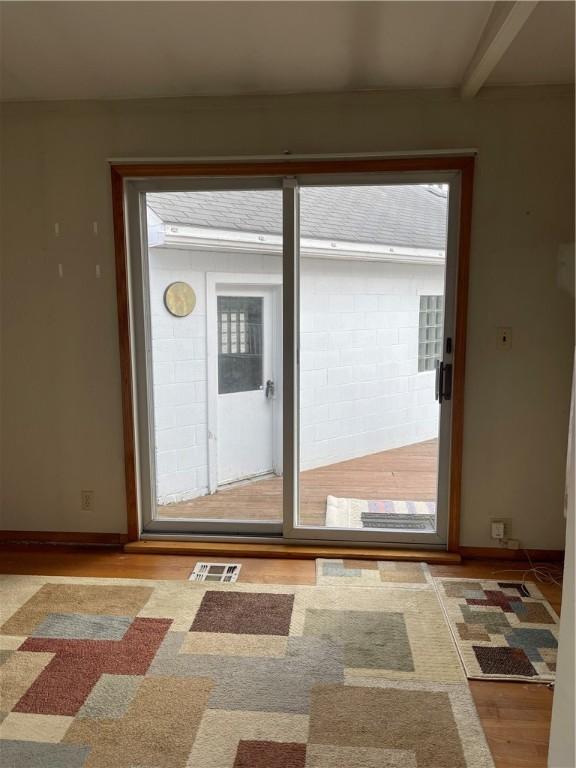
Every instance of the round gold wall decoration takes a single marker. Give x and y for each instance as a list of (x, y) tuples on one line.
[(179, 299)]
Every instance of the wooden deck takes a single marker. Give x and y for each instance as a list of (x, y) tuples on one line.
[(403, 473)]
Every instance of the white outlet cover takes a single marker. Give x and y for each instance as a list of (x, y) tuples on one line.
[(86, 501), (497, 530)]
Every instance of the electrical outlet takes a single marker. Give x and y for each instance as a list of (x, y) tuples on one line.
[(497, 529), (87, 501)]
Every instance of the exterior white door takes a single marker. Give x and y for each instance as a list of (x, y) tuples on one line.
[(246, 385)]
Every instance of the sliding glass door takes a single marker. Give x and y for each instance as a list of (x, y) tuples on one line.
[(374, 343), (293, 349), (212, 365)]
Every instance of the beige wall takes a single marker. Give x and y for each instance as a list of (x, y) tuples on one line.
[(61, 381)]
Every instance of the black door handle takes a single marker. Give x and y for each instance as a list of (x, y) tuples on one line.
[(443, 386), (269, 389), (447, 381), (438, 384)]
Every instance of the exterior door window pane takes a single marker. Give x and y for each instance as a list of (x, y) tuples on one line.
[(240, 335)]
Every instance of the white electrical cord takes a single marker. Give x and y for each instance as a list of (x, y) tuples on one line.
[(545, 573)]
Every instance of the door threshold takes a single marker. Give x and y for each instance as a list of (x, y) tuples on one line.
[(245, 481), (289, 551)]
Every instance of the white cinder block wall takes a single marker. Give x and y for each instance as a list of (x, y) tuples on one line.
[(360, 387)]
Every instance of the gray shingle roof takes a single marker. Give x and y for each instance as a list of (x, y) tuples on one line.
[(411, 215)]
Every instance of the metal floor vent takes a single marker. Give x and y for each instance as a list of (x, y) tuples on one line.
[(222, 572)]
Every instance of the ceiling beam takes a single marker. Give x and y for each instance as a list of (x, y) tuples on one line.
[(502, 26)]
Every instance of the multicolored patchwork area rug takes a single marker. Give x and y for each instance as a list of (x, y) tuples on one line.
[(372, 573), (389, 514), (121, 673), (504, 630)]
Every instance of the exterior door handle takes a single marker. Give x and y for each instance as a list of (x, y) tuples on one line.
[(269, 389)]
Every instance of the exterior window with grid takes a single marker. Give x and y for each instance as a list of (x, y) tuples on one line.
[(240, 336), (431, 332)]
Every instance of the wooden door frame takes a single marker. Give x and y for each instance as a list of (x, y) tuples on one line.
[(123, 171)]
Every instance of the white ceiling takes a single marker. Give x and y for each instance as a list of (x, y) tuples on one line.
[(95, 50)]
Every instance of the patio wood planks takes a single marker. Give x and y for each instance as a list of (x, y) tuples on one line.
[(402, 473)]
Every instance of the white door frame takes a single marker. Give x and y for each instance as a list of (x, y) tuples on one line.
[(216, 281)]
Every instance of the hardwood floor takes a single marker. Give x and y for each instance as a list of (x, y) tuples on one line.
[(402, 473), (516, 720), (79, 561), (515, 716)]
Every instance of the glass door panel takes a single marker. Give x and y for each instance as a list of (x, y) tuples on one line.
[(372, 333), (214, 291)]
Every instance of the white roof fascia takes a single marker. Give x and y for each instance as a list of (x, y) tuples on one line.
[(155, 229), (202, 238)]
